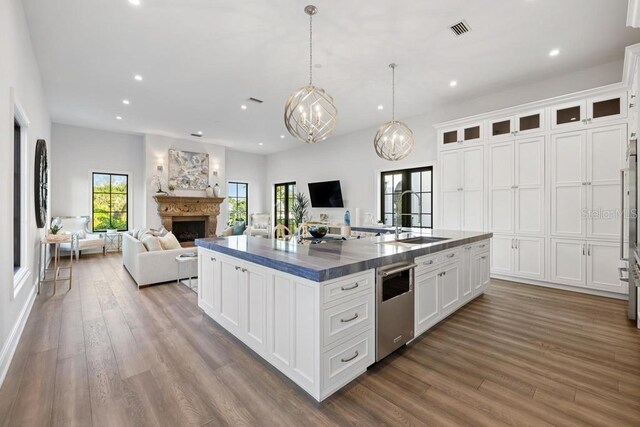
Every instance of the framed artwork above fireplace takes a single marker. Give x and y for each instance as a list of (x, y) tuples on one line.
[(188, 170)]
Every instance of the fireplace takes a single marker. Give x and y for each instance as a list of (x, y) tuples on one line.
[(188, 229)]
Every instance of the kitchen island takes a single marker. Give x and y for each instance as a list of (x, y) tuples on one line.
[(309, 308)]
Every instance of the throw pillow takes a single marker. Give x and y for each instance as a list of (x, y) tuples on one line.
[(169, 241), (238, 229), (152, 243), (163, 231)]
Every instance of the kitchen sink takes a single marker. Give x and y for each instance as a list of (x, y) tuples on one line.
[(415, 241)]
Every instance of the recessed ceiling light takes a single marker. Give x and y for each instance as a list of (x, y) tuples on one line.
[(380, 107), (282, 136), (138, 77), (126, 102), (135, 2), (453, 83), (118, 117), (260, 143), (554, 52), (244, 107), (199, 132)]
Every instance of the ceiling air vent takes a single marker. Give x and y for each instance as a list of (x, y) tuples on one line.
[(197, 135), (256, 100), (460, 28)]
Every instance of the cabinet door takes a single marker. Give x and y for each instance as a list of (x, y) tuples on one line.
[(451, 184), (570, 115), (529, 122), (568, 258), (472, 132), (607, 107), (605, 157), (529, 183), (502, 254), (427, 306), (501, 187), (501, 128), (450, 283), (529, 257), (449, 138), (568, 184), (480, 272), (603, 260), (230, 295), (467, 270), (473, 189), (254, 307), (206, 279)]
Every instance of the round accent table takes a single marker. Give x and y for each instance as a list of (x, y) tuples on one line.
[(191, 283)]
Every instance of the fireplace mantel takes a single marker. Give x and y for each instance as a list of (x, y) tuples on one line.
[(170, 207)]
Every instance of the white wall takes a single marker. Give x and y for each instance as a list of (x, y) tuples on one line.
[(351, 158), (18, 71), (79, 151), (252, 169), (156, 148)]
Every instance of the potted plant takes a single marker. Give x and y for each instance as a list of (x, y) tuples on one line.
[(300, 208), (171, 187), (55, 228)]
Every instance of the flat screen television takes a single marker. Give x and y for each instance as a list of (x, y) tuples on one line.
[(327, 194)]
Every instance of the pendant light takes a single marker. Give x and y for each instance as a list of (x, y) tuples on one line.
[(309, 113), (394, 139)]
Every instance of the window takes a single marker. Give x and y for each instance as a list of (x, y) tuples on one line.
[(285, 195), (419, 180), (110, 197), (17, 197), (238, 196)]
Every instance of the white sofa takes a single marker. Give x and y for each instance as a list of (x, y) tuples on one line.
[(148, 268), (82, 238)]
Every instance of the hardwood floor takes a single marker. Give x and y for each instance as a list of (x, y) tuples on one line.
[(107, 354)]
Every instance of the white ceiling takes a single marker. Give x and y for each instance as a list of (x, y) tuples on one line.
[(201, 59)]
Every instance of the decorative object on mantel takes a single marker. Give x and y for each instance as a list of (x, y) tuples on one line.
[(156, 181), (41, 183), (209, 191), (205, 208), (188, 170), (172, 187), (217, 190), (394, 139), (309, 113)]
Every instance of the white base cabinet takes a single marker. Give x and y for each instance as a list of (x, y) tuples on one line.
[(520, 256), (320, 335)]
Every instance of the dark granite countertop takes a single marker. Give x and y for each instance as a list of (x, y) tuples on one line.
[(333, 259)]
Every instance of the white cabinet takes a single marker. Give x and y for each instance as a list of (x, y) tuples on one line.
[(525, 123), (450, 287), (586, 263), (480, 272), (207, 270), (229, 285), (472, 133), (427, 306), (521, 256), (516, 186), (462, 189), (585, 180), (253, 307), (581, 113)]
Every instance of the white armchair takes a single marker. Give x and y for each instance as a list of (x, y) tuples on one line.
[(81, 236), (259, 225)]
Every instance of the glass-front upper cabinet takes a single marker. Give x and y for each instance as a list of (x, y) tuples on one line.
[(501, 128), (592, 110), (455, 138), (529, 122)]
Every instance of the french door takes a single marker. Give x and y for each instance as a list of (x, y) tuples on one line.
[(284, 198)]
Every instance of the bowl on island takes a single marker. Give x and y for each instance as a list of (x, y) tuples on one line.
[(318, 231)]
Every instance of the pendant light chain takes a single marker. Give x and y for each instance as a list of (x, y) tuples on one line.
[(393, 92), (310, 50)]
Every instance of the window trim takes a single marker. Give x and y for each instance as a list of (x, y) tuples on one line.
[(23, 273), (287, 198), (406, 202), (130, 189), (246, 219)]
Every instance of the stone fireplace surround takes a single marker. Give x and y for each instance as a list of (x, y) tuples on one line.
[(186, 208)]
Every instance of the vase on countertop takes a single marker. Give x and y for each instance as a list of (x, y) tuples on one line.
[(217, 190), (209, 191)]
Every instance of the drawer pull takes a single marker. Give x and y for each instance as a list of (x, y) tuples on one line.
[(349, 359), (484, 257), (237, 268), (213, 259), (482, 246), (350, 287), (355, 316), (451, 255), (428, 262)]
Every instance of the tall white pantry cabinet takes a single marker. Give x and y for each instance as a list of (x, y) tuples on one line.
[(545, 179)]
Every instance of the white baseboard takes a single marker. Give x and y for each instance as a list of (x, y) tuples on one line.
[(560, 286), (10, 346)]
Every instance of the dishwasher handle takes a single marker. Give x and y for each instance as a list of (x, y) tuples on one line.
[(385, 273)]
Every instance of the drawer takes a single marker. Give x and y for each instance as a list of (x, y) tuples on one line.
[(347, 318), (343, 363), (482, 246), (344, 288), (452, 255), (428, 261)]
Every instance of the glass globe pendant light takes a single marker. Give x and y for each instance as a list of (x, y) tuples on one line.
[(394, 139), (309, 113)]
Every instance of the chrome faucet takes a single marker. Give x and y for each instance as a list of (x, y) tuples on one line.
[(399, 213)]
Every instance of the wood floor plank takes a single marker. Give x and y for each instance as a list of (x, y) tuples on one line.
[(107, 353)]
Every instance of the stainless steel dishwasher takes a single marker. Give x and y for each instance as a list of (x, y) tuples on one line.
[(394, 307)]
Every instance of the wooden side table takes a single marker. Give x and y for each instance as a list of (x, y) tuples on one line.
[(54, 240)]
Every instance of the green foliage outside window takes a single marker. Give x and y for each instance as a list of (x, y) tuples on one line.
[(238, 197), (110, 201)]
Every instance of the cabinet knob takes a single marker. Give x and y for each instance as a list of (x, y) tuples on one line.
[(244, 270), (237, 268)]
